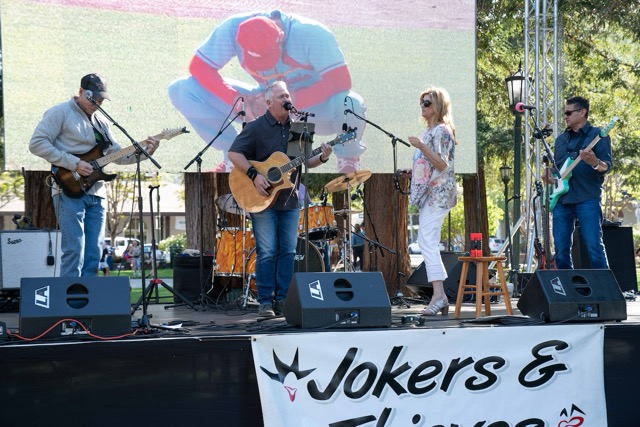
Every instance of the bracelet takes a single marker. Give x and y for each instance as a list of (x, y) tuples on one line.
[(597, 165), (252, 173), (323, 161)]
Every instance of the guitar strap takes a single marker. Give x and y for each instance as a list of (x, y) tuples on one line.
[(101, 137)]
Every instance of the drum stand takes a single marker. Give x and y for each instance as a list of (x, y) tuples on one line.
[(247, 294)]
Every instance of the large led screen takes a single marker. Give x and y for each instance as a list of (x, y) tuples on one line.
[(173, 63)]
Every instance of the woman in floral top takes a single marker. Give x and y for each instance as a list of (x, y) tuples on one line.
[(433, 187)]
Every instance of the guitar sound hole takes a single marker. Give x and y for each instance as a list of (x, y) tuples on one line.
[(274, 175)]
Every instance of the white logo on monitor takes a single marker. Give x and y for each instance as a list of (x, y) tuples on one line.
[(42, 297)]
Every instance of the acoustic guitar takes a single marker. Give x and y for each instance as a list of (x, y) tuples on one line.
[(75, 185), (277, 169), (561, 180)]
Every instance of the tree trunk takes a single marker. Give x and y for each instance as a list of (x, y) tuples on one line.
[(380, 226), (475, 210), (38, 204), (194, 216)]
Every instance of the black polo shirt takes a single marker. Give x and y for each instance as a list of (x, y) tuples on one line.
[(260, 139)]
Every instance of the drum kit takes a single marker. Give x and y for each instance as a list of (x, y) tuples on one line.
[(236, 246)]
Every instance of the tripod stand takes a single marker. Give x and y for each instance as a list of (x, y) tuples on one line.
[(198, 159), (154, 282), (398, 298)]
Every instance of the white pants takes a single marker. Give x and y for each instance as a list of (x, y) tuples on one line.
[(431, 220)]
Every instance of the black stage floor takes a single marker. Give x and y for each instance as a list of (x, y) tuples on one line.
[(203, 372)]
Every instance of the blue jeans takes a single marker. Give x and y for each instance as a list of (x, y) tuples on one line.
[(589, 214), (81, 224), (276, 234)]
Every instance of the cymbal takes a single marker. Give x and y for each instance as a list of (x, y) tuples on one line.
[(351, 179), (228, 204)]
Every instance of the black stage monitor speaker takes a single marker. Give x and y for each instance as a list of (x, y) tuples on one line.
[(101, 304), (338, 300), (573, 295), (418, 283), (618, 244)]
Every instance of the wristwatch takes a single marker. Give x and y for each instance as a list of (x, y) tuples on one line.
[(597, 165)]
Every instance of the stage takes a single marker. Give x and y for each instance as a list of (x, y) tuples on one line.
[(204, 371)]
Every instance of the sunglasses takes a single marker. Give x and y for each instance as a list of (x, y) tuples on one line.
[(425, 103), (570, 112)]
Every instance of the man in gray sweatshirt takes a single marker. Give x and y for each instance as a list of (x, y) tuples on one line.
[(64, 137)]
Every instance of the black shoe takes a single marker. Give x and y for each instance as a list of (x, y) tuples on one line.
[(266, 310), (278, 307)]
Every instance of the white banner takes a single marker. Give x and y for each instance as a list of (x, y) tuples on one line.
[(531, 376)]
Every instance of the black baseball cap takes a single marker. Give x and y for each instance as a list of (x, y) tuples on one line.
[(96, 84)]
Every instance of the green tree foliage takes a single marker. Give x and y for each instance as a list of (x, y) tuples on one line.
[(599, 58), (11, 187)]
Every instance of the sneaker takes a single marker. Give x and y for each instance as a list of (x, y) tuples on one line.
[(278, 307), (348, 164), (266, 310)]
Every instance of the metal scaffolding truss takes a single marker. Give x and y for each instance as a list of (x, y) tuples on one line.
[(542, 91)]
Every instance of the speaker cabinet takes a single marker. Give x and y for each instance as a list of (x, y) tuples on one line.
[(618, 244), (34, 252), (573, 295), (101, 304), (419, 284), (187, 280), (338, 300)]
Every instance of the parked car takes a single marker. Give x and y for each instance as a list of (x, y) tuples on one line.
[(117, 249), (495, 244)]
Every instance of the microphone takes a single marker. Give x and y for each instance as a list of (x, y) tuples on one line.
[(243, 113), (289, 107), (358, 191), (520, 107), (344, 124), (323, 197), (89, 95)]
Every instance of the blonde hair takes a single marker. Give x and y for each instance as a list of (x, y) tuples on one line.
[(441, 104)]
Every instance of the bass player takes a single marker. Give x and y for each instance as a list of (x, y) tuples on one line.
[(582, 200)]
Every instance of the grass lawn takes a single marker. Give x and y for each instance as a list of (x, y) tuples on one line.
[(164, 296), (163, 273)]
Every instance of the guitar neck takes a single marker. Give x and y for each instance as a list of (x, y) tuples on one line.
[(105, 160), (579, 159), (301, 159)]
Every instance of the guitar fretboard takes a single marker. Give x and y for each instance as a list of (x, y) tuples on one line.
[(301, 159)]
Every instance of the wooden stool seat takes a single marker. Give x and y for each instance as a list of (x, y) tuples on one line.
[(483, 290)]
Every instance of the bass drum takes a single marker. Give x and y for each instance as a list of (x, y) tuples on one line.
[(316, 263)]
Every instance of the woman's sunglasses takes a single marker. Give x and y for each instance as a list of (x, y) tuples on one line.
[(425, 103)]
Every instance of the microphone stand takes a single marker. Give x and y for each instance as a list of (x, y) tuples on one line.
[(307, 140), (154, 269), (374, 244), (198, 159), (398, 298), (144, 320), (541, 134)]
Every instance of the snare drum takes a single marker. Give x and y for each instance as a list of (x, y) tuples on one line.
[(229, 257), (322, 224), (316, 263)]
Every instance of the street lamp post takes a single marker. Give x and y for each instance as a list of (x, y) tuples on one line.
[(505, 174), (515, 89)]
